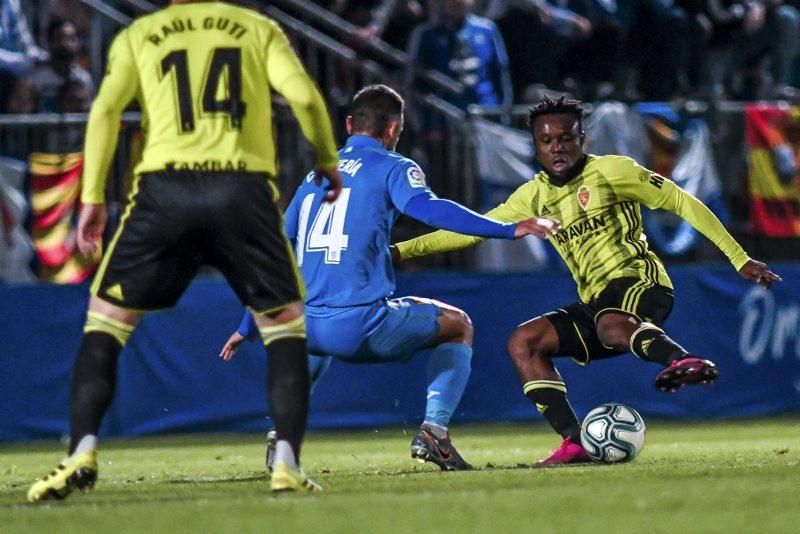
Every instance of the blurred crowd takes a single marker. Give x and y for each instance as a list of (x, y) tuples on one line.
[(42, 63), (596, 49), (502, 51)]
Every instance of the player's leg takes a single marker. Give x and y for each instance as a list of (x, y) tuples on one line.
[(94, 377), (449, 366), (248, 245), (631, 325), (146, 267), (317, 366), (288, 392), (401, 329), (532, 347)]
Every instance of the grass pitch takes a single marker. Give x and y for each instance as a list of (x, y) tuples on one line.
[(709, 477)]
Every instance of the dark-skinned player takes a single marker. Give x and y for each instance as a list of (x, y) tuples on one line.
[(625, 292)]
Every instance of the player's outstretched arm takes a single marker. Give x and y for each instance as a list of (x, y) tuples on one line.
[(518, 207), (704, 221), (656, 192), (449, 215)]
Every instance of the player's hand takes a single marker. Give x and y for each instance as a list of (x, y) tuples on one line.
[(231, 346), (91, 223), (538, 226), (758, 272), (334, 181)]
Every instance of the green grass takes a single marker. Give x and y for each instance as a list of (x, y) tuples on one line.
[(710, 477)]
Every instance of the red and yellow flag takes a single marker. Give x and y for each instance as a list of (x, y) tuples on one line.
[(773, 169), (54, 191)]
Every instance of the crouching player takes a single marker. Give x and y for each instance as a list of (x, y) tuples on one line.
[(625, 293), (343, 253)]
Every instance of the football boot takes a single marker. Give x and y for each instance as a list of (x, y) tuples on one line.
[(284, 478), (569, 452), (76, 472), (427, 447), (689, 370)]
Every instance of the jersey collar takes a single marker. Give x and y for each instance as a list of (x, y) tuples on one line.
[(363, 141)]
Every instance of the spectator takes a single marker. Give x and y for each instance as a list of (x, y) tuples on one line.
[(74, 11), (467, 48), (17, 48), (62, 40), (745, 32)]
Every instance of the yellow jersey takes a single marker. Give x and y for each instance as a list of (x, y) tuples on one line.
[(601, 234), (202, 73)]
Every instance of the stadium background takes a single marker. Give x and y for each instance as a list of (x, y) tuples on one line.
[(740, 156)]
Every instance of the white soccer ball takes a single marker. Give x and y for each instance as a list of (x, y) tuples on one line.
[(613, 433)]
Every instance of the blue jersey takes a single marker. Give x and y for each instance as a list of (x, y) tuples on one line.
[(343, 247)]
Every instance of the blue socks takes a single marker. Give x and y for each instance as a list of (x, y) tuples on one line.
[(448, 372)]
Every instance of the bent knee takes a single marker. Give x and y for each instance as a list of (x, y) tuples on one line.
[(530, 340), (465, 323), (455, 326), (613, 336)]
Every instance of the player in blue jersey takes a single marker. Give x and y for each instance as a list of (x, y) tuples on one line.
[(343, 252)]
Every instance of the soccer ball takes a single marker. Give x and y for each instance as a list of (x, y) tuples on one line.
[(613, 433)]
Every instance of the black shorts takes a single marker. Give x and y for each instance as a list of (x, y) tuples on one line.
[(178, 221), (576, 324)]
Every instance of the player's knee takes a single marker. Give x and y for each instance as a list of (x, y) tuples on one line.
[(524, 343), (614, 334), (464, 324), (110, 319), (455, 326), (534, 340), (287, 323)]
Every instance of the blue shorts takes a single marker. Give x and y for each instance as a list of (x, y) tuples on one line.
[(387, 331)]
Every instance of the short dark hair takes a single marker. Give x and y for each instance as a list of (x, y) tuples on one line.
[(373, 107), (548, 106)]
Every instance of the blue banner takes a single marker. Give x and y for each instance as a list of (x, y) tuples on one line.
[(171, 379)]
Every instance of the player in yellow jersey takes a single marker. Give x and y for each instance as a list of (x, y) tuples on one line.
[(624, 290), (203, 195)]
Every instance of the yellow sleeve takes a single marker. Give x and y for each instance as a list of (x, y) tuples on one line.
[(656, 192), (517, 207), (288, 77), (120, 84)]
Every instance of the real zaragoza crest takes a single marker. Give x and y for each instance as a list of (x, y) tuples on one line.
[(584, 195)]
